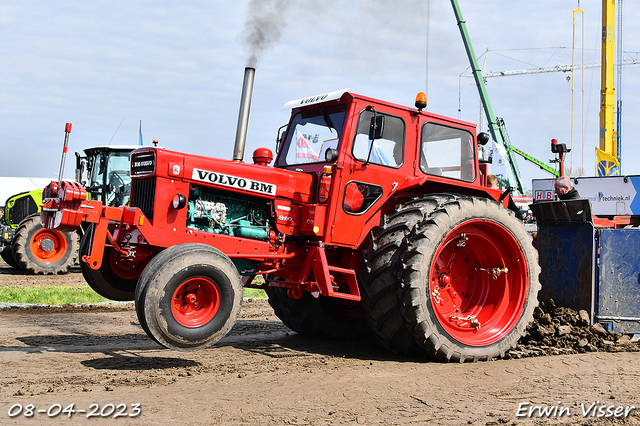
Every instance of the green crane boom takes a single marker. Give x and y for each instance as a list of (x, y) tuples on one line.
[(496, 125)]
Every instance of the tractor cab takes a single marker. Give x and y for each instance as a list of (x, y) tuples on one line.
[(104, 172), (353, 132), (365, 155)]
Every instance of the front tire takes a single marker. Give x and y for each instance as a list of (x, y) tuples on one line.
[(188, 297), (459, 284), (41, 251)]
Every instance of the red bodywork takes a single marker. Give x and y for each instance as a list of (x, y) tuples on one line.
[(312, 245)]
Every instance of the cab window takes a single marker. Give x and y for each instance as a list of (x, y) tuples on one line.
[(448, 152), (310, 134), (359, 196), (118, 179), (387, 151)]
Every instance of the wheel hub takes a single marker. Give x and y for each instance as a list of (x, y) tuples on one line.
[(195, 302), (188, 298), (47, 244), (444, 279)]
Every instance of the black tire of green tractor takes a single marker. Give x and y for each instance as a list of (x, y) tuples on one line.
[(30, 235), (7, 256), (324, 317), (188, 297), (104, 280), (467, 235)]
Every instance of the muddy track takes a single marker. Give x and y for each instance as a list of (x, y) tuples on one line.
[(262, 373)]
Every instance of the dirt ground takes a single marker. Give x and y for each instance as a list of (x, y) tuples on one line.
[(264, 374)]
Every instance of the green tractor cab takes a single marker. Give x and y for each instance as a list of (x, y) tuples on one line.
[(104, 172), (16, 208), (26, 245)]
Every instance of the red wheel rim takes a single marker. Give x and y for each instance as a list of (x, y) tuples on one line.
[(48, 246), (125, 268), (478, 283), (195, 302)]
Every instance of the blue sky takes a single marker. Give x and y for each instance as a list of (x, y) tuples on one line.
[(178, 67)]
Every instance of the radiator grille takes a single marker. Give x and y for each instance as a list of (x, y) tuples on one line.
[(143, 195), (22, 208)]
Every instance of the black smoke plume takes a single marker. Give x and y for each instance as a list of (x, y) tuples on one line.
[(264, 26)]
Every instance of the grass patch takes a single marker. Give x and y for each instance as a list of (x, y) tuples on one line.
[(61, 295), (58, 295), (254, 293)]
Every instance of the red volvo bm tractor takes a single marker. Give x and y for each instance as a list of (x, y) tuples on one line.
[(374, 216)]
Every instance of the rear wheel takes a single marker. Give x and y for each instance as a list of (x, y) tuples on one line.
[(189, 296), (465, 283), (117, 277), (42, 251), (324, 317)]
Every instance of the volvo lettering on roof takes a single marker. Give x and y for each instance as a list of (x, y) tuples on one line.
[(332, 96)]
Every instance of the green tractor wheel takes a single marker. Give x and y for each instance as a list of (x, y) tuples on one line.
[(42, 251)]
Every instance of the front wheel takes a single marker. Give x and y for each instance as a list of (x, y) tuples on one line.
[(188, 297), (461, 285)]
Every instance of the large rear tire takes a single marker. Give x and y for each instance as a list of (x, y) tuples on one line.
[(459, 283), (117, 277), (188, 297), (41, 251), (324, 317)]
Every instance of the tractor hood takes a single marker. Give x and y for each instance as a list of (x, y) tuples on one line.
[(262, 181)]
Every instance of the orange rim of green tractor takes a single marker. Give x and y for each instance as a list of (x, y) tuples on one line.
[(48, 246)]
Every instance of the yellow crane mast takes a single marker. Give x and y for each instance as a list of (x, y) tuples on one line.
[(606, 156)]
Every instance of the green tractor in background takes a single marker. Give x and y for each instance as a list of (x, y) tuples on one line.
[(27, 246), (24, 209)]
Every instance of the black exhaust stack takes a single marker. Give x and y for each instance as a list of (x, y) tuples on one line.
[(243, 116)]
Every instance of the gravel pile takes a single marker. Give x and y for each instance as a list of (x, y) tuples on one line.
[(557, 330)]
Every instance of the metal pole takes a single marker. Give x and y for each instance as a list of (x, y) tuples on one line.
[(67, 130)]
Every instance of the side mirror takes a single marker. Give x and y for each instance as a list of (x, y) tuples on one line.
[(331, 155), (376, 128), (279, 135), (80, 166)]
